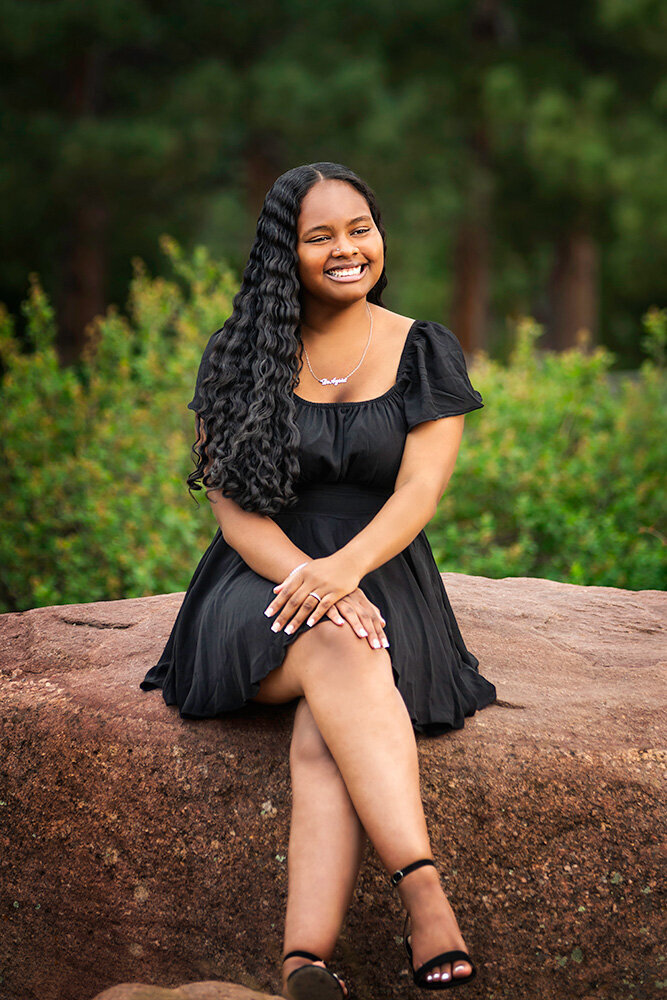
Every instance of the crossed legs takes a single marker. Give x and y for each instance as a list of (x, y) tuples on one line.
[(326, 845), (354, 771)]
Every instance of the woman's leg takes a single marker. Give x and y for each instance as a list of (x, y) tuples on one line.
[(326, 846), (362, 717)]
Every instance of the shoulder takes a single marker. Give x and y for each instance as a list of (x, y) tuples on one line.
[(434, 376), (431, 333), (431, 345)]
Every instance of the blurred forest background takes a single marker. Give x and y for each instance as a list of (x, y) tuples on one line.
[(519, 154)]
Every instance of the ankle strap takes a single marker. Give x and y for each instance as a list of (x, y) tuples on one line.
[(402, 872), (302, 954)]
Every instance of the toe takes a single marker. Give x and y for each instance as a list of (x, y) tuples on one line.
[(342, 983), (436, 974), (462, 969)]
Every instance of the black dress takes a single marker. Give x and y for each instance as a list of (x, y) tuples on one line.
[(221, 645)]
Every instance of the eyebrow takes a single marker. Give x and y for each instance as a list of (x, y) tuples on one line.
[(323, 225)]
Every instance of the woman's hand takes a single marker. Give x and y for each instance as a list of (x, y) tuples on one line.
[(314, 589), (363, 616)]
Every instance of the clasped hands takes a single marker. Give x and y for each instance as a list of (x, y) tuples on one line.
[(341, 600)]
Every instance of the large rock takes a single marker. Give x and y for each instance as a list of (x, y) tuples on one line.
[(140, 847), (189, 991)]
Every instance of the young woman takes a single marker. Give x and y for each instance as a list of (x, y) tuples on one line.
[(327, 431)]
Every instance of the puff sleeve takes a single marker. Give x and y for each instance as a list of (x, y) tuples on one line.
[(204, 367), (435, 377)]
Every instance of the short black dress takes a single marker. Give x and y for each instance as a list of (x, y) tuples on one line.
[(221, 645)]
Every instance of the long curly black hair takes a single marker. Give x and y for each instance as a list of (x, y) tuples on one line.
[(248, 450)]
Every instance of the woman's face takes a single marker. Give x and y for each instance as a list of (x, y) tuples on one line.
[(335, 230)]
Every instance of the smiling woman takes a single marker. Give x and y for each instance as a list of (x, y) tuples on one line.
[(320, 584)]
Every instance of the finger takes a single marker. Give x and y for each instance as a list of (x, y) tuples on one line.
[(312, 609), (295, 612), (321, 609), (353, 618), (334, 614), (379, 624), (372, 625), (375, 611), (281, 598)]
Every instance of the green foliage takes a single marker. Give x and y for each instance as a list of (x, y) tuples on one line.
[(94, 459), (558, 476), (561, 475)]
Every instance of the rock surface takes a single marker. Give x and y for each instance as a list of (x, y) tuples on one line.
[(189, 991), (136, 846)]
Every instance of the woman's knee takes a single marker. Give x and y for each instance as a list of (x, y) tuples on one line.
[(339, 648), (308, 746)]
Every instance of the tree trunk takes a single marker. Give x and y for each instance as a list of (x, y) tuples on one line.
[(83, 289), (471, 285), (573, 292)]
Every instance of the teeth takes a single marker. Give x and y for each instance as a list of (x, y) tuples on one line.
[(344, 272)]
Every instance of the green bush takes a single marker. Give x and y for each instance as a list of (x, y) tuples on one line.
[(558, 476), (94, 458), (561, 475)]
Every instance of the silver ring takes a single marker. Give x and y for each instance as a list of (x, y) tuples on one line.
[(311, 594)]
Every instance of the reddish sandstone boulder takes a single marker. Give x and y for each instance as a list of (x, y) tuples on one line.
[(190, 991), (138, 847)]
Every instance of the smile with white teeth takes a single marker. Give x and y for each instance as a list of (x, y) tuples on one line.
[(346, 272)]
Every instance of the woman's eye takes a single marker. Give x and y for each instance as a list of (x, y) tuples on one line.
[(318, 238)]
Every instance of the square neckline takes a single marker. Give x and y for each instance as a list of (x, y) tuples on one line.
[(360, 402)]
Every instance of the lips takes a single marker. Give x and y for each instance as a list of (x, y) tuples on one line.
[(347, 270)]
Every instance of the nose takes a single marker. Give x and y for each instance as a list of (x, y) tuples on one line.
[(346, 246)]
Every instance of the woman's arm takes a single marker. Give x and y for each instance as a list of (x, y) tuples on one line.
[(427, 465), (258, 540), (266, 549), (429, 457), (256, 537)]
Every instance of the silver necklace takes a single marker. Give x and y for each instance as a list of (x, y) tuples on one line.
[(338, 381)]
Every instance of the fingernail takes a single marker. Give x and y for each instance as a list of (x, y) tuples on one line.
[(289, 629), (375, 644), (275, 626), (385, 643), (268, 612), (310, 622), (362, 631)]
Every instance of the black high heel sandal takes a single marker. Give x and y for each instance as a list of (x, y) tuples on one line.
[(312, 982), (456, 955)]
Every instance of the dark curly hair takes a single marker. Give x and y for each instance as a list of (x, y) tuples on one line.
[(249, 449)]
